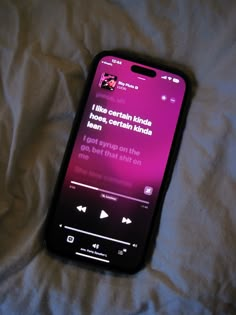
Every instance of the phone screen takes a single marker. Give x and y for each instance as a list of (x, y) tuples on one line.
[(111, 185)]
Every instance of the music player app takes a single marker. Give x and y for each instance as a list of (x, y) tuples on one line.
[(117, 164)]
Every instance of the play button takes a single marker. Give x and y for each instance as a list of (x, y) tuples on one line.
[(103, 214)]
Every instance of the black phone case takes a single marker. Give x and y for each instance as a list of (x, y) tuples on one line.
[(168, 171)]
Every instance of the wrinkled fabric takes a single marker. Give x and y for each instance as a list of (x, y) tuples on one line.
[(45, 50)]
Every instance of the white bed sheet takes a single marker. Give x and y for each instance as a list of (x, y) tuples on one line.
[(45, 50)]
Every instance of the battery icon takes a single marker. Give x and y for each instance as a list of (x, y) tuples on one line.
[(175, 80)]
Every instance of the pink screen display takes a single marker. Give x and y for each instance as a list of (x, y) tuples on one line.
[(119, 158)]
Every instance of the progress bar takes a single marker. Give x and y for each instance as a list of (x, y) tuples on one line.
[(105, 260), (109, 192), (97, 235), (84, 185)]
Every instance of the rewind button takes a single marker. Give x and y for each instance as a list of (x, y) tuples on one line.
[(81, 208)]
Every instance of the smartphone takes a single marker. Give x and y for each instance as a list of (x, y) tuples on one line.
[(118, 163)]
